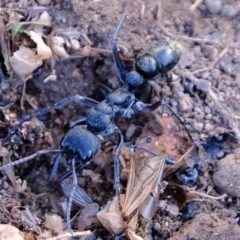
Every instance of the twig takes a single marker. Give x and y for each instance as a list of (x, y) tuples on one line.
[(84, 36), (197, 40), (143, 10), (195, 5), (66, 234), (186, 153), (5, 49), (23, 95), (208, 196)]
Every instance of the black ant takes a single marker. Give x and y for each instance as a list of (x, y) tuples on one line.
[(80, 144)]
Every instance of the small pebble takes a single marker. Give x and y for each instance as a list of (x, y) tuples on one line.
[(198, 117), (228, 11), (197, 51), (220, 154), (173, 210), (197, 109), (236, 56), (226, 64), (187, 59), (178, 22), (206, 75), (185, 102), (208, 116), (215, 36), (207, 109), (208, 127), (157, 226), (210, 52), (9, 5), (215, 73), (213, 6), (165, 115), (236, 106), (237, 68), (5, 185), (173, 103), (226, 80), (203, 137), (203, 85), (198, 126), (44, 2), (227, 175)]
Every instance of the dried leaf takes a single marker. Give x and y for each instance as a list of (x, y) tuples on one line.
[(143, 186), (171, 136), (54, 222), (24, 61), (5, 154), (44, 52), (21, 186), (133, 236), (57, 46), (148, 207), (111, 218), (75, 45), (88, 216), (44, 20), (179, 194), (26, 218), (3, 45)]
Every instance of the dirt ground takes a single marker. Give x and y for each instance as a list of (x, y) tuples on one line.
[(204, 91)]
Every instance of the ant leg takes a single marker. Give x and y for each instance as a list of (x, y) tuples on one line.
[(167, 106), (116, 160), (15, 128), (118, 62), (146, 107), (56, 163), (69, 173), (81, 198), (143, 107), (71, 196), (77, 122), (133, 78), (26, 159), (77, 98)]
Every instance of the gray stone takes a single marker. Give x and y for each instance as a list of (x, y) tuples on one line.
[(185, 102), (198, 126), (210, 52), (215, 73), (187, 59), (213, 6), (228, 11), (227, 174), (208, 127)]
